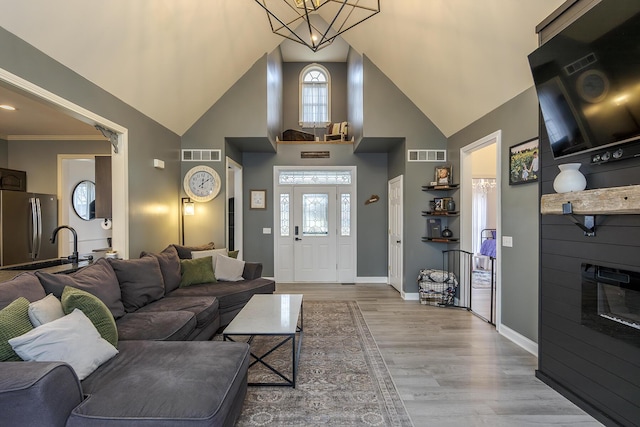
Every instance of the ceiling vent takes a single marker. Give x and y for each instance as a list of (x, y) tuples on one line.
[(427, 155), (192, 155)]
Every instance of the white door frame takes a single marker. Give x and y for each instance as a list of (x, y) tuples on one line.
[(466, 210), (237, 194), (400, 216), (345, 275), (119, 160)]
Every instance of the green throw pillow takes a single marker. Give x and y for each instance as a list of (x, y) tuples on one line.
[(14, 321), (195, 271), (233, 254), (94, 309)]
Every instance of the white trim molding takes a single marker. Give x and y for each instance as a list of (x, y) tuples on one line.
[(372, 279), (519, 339)]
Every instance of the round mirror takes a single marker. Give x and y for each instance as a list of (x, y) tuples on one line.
[(84, 200)]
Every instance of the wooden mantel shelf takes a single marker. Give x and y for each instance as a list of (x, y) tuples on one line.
[(601, 201)]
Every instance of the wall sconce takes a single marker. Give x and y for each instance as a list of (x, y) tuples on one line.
[(188, 208)]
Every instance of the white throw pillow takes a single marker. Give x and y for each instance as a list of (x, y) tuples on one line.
[(45, 310), (229, 269), (71, 339), (213, 253)]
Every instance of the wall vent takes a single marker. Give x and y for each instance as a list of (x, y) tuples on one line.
[(427, 155), (192, 155), (314, 155)]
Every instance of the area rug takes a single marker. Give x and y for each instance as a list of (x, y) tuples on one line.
[(342, 378), (481, 279)]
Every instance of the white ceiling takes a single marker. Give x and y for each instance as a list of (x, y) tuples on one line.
[(172, 59)]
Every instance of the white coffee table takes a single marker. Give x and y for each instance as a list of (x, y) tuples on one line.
[(271, 315)]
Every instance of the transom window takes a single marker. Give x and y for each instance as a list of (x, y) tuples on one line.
[(315, 96)]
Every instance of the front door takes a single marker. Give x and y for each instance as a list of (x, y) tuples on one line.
[(314, 233)]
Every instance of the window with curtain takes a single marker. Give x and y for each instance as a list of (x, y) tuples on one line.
[(315, 96)]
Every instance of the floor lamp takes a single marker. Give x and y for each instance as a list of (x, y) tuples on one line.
[(187, 208)]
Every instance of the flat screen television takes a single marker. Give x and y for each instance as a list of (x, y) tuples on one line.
[(587, 79)]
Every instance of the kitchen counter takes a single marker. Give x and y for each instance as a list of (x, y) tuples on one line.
[(63, 269)]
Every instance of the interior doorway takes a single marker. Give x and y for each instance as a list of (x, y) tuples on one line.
[(396, 254), (234, 207), (480, 223), (120, 157)]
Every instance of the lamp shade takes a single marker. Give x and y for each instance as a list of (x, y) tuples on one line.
[(188, 207)]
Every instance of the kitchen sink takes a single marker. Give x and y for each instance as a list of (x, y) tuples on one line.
[(37, 265)]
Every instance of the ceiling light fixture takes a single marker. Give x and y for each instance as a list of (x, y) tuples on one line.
[(7, 107), (291, 18)]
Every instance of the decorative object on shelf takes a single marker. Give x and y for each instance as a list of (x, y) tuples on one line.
[(202, 183), (446, 233), (434, 227), (374, 198), (438, 204), (258, 199), (569, 179), (296, 19), (444, 175), (451, 205), (524, 164)]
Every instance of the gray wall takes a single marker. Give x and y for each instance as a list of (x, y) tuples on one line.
[(240, 113), (518, 120), (291, 79), (371, 219), (40, 160), (153, 194), (274, 94), (355, 89), (388, 113)]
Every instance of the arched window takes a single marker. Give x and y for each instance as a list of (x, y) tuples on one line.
[(315, 96)]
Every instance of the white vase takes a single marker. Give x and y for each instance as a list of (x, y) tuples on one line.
[(569, 179)]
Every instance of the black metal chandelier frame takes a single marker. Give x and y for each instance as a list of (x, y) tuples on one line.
[(302, 9)]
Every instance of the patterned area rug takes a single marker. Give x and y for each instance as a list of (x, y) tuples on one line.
[(481, 279), (342, 379)]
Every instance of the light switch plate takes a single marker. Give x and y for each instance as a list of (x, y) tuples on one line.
[(266, 230), (507, 241)]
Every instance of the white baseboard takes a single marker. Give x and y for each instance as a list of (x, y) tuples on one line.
[(414, 296), (360, 279), (519, 339)]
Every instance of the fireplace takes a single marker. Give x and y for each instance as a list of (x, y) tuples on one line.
[(611, 302)]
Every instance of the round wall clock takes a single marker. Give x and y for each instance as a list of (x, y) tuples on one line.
[(593, 85), (202, 183)]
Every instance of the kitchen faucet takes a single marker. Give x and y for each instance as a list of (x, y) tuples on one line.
[(74, 255)]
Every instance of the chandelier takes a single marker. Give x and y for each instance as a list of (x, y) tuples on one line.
[(291, 19), (483, 184)]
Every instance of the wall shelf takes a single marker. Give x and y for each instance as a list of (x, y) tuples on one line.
[(440, 213), (601, 201), (440, 187), (440, 239)]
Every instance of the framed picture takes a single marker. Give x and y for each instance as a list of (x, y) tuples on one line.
[(439, 204), (524, 164), (443, 175), (258, 199)]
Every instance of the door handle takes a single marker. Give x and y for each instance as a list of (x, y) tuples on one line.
[(398, 241), (298, 239)]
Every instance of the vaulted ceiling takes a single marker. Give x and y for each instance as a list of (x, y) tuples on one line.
[(173, 59)]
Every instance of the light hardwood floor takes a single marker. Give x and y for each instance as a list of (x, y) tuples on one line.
[(450, 367)]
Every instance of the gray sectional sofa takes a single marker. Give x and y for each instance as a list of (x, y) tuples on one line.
[(167, 371)]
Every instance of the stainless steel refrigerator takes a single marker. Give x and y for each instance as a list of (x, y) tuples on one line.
[(26, 223)]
